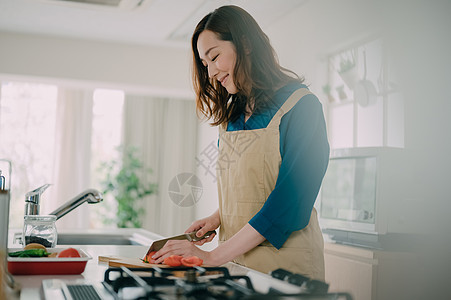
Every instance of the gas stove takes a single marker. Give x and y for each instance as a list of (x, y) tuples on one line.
[(198, 283)]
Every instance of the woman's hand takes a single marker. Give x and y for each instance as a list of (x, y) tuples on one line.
[(203, 226), (244, 240), (187, 248), (183, 248)]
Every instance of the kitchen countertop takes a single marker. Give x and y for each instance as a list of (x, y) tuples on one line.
[(94, 272), (31, 284)]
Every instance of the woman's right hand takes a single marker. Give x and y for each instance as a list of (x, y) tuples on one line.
[(203, 226)]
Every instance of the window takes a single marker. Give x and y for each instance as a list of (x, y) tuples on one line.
[(27, 138), (364, 109), (106, 136)]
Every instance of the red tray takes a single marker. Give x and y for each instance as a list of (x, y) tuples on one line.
[(48, 265)]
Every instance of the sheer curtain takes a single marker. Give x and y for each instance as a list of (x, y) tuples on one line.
[(165, 132), (72, 154)]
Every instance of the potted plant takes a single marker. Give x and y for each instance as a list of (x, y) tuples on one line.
[(122, 180), (348, 72), (326, 90), (341, 92)]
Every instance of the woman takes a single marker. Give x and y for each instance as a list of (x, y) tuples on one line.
[(273, 151)]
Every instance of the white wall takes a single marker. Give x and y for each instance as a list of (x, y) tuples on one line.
[(418, 41), (419, 44), (155, 70), (208, 204), (318, 28)]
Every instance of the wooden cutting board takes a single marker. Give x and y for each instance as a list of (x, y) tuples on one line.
[(129, 262)]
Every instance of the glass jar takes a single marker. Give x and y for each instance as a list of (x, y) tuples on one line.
[(41, 230)]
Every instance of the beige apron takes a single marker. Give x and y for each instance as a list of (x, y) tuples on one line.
[(247, 168)]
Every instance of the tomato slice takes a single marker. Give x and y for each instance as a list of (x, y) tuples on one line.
[(192, 261), (148, 258), (173, 260), (69, 252)]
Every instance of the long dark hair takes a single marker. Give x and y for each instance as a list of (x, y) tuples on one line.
[(257, 72)]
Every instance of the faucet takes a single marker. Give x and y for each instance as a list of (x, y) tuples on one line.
[(32, 200), (91, 196)]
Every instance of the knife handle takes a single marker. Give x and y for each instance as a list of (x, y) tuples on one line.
[(195, 238)]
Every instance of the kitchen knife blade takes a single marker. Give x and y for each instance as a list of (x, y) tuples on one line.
[(157, 245)]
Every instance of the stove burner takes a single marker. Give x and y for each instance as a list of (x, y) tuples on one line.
[(197, 283), (310, 285)]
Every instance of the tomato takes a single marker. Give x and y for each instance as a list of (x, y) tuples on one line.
[(69, 252), (148, 257), (173, 260), (192, 261)]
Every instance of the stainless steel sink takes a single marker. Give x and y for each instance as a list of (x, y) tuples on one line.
[(120, 236), (98, 239)]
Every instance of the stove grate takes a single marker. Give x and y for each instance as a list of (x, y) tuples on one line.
[(201, 283)]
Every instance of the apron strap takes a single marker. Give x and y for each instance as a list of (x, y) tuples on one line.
[(222, 128), (287, 106)]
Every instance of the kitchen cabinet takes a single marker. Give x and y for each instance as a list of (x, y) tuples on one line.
[(365, 273)]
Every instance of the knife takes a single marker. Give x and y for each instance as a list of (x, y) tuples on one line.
[(157, 245)]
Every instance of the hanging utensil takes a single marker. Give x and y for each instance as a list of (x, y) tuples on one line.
[(364, 92)]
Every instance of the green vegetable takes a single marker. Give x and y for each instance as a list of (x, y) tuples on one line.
[(30, 253)]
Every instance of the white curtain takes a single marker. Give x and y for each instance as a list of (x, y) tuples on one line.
[(165, 132), (72, 155)]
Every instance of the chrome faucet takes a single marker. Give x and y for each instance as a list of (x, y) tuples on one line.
[(91, 196), (32, 200)]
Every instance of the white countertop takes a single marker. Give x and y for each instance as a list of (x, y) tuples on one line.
[(94, 271)]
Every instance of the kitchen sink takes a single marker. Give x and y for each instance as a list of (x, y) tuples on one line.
[(120, 236), (99, 239)]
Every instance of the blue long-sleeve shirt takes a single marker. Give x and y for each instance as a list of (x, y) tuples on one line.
[(304, 149)]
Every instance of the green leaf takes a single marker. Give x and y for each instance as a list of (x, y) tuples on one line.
[(122, 179)]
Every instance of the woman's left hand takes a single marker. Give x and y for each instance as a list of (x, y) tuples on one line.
[(183, 248)]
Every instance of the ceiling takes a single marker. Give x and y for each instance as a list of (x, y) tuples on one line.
[(154, 22)]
